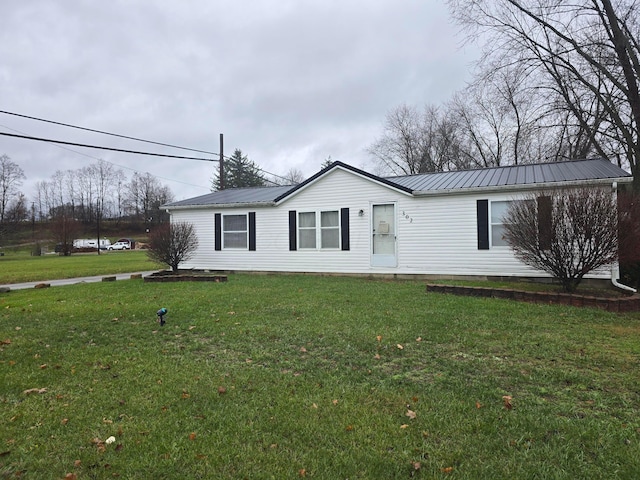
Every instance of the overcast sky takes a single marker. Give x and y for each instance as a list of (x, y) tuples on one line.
[(289, 82)]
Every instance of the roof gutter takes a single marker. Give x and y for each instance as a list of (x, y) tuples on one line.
[(521, 187), (615, 268)]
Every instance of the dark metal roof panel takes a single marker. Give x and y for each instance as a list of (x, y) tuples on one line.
[(544, 173), (255, 195)]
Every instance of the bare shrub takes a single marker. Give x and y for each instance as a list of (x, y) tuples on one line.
[(566, 233), (172, 244)]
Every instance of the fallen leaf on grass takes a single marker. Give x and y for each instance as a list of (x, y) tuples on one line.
[(379, 338), (447, 470), (507, 402), (416, 465), (377, 356), (110, 440), (478, 405), (419, 339), (349, 428), (64, 421), (6, 342), (335, 402), (77, 463), (411, 414), (99, 444), (192, 436), (35, 390), (185, 395), (222, 390), (302, 472), (404, 425), (70, 476), (400, 347), (303, 350)]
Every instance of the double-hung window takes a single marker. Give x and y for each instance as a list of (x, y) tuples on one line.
[(235, 231), (319, 229), (498, 212)]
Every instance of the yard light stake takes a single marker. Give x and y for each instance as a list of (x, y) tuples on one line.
[(161, 313)]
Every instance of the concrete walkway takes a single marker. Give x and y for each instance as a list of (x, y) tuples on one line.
[(72, 281)]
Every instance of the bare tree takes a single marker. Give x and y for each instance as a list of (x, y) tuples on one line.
[(585, 54), (65, 228), (565, 233), (294, 176), (145, 196), (11, 177), (629, 237), (417, 142), (172, 244)]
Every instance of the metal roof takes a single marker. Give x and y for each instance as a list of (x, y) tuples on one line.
[(543, 173), (250, 195), (439, 182)]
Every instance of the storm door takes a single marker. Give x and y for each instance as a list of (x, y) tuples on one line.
[(383, 235)]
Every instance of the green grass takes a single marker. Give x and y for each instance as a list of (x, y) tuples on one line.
[(21, 267), (289, 376)]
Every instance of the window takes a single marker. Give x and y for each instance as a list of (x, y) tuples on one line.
[(498, 211), (330, 229), (326, 236), (307, 229), (234, 231)]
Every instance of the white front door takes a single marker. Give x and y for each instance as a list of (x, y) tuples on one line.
[(383, 235)]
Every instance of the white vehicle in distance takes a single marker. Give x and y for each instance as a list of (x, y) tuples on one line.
[(119, 246)]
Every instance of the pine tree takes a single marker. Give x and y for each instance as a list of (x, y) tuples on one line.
[(239, 171)]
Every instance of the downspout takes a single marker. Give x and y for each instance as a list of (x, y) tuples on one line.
[(615, 268)]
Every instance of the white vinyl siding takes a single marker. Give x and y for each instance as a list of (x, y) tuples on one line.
[(436, 234)]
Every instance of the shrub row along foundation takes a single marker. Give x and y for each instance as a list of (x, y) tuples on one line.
[(624, 304)]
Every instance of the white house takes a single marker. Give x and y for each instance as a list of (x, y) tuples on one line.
[(347, 221)]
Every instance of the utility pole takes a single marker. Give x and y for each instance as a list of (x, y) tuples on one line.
[(98, 223), (221, 162)]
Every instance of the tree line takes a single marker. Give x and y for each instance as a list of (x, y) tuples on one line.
[(96, 191), (556, 81)]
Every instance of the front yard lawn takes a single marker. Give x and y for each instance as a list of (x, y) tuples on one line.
[(312, 377)]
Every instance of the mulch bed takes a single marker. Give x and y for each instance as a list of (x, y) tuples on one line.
[(184, 276), (629, 303)]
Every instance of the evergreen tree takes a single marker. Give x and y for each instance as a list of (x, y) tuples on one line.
[(239, 171)]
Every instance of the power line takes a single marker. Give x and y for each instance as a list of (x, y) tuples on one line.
[(123, 150), (49, 140), (113, 163), (105, 133)]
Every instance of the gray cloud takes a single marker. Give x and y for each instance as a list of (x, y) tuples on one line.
[(288, 82)]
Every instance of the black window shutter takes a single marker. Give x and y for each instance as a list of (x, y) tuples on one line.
[(344, 223), (545, 223), (293, 234), (482, 207), (252, 230), (218, 231)]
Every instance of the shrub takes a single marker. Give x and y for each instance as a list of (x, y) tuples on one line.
[(172, 244), (567, 233)]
